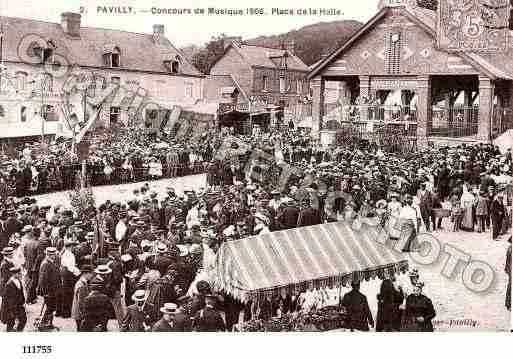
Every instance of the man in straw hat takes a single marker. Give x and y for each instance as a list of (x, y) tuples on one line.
[(166, 323), (49, 286), (12, 310), (138, 317)]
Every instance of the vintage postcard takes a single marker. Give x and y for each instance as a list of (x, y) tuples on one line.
[(267, 166)]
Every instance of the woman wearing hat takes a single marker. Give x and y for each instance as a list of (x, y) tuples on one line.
[(409, 217), (418, 312)]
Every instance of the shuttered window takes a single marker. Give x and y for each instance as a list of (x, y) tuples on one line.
[(394, 53)]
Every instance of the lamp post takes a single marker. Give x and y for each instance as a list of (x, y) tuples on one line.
[(41, 112)]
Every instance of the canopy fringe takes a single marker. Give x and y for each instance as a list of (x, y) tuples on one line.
[(228, 286)]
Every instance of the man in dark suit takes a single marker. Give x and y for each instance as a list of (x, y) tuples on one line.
[(5, 266), (359, 314), (209, 319), (425, 205), (13, 303), (11, 224), (497, 214), (198, 301), (165, 324), (182, 320), (162, 261), (31, 265), (97, 307), (49, 286), (309, 216), (138, 316), (288, 216)]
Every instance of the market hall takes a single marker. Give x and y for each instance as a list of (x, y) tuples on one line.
[(393, 71)]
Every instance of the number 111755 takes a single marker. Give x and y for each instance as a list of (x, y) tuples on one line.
[(37, 349)]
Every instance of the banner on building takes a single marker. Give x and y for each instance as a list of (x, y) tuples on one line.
[(473, 25)]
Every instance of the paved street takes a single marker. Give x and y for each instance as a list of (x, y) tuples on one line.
[(457, 307), (122, 191)]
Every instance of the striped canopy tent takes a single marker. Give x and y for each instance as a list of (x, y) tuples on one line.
[(295, 260)]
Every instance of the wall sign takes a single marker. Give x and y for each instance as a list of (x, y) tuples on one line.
[(391, 84), (473, 25)]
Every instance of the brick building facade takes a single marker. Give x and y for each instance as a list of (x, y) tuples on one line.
[(274, 81)]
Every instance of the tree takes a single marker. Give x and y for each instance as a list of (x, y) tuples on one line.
[(214, 49), (428, 4)]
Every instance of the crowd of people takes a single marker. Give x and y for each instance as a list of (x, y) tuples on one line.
[(123, 157), (144, 261)]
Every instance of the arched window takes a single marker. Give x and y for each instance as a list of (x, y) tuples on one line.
[(21, 80), (116, 54)]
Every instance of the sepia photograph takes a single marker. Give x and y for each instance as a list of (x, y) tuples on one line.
[(327, 166)]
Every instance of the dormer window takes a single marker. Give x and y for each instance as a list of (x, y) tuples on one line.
[(112, 56), (44, 52), (173, 65)]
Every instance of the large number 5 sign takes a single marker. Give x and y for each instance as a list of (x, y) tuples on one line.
[(473, 26)]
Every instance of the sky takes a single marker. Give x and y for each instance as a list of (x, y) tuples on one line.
[(186, 29)]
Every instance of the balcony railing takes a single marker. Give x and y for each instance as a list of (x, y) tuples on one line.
[(458, 121), (383, 113)]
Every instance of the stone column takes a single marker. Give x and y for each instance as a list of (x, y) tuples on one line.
[(317, 84), (486, 94), (365, 91), (467, 103), (424, 109)]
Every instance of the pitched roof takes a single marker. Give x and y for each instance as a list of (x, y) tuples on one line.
[(138, 51), (262, 56), (496, 65)]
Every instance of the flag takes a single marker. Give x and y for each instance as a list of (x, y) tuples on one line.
[(94, 117)]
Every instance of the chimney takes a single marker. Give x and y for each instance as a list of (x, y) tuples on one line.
[(227, 41), (158, 32), (70, 23), (290, 46)]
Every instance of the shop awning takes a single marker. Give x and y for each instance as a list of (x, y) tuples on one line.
[(204, 108), (325, 255)]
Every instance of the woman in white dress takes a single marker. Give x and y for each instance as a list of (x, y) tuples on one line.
[(155, 169), (107, 170), (467, 204)]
